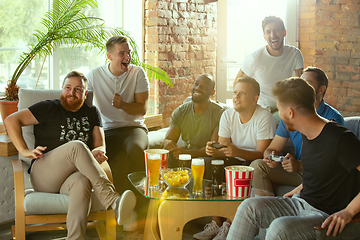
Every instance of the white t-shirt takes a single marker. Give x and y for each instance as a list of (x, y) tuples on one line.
[(261, 126), (268, 70), (104, 84)]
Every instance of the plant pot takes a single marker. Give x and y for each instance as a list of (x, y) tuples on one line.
[(7, 108)]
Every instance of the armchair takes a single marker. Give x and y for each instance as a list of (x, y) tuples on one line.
[(38, 211)]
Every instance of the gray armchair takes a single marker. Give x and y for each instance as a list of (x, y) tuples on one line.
[(38, 211)]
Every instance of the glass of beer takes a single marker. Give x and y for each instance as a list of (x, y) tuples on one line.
[(197, 170), (217, 173), (185, 161), (154, 161)]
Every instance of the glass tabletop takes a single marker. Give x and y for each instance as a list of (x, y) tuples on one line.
[(141, 182)]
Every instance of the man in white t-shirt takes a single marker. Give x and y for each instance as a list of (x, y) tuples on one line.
[(121, 92), (246, 131), (273, 62)]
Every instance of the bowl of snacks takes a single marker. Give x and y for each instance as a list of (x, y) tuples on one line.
[(176, 177)]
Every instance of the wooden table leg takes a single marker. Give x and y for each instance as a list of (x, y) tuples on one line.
[(151, 231), (173, 215)]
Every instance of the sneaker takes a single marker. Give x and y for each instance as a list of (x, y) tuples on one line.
[(132, 225), (223, 231), (124, 207), (210, 231)]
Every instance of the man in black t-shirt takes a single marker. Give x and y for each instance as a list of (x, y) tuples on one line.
[(329, 194), (69, 148)]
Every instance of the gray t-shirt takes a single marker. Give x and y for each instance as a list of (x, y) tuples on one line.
[(196, 129)]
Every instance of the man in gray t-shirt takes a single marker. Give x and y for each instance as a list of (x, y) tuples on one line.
[(196, 122)]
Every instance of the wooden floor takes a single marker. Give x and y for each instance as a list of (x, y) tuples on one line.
[(190, 229)]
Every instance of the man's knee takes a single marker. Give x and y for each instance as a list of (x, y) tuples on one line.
[(76, 145), (259, 166), (280, 228)]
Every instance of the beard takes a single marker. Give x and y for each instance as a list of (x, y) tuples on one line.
[(73, 106)]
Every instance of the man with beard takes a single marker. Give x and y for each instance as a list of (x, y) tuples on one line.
[(70, 147), (196, 122), (246, 131), (273, 62), (289, 172), (329, 195)]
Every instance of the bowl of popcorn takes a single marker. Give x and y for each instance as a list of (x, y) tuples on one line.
[(176, 177)]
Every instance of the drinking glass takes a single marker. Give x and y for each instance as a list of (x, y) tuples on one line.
[(154, 161), (185, 161), (197, 170), (217, 173)]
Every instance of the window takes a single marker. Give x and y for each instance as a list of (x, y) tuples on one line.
[(19, 20)]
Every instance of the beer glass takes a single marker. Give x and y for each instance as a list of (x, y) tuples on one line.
[(154, 161), (217, 172), (185, 161), (197, 170)]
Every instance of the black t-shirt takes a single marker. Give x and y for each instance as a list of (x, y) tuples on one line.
[(58, 126), (330, 177)]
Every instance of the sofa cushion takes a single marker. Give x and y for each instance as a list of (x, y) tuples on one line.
[(38, 203), (156, 138)]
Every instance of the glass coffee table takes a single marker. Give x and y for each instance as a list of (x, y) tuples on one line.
[(171, 208)]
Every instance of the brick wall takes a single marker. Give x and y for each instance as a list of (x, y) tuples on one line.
[(330, 40), (180, 38)]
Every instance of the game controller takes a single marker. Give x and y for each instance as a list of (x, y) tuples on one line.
[(276, 158), (217, 145)]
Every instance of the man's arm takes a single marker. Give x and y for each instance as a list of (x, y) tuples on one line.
[(171, 138), (99, 144), (240, 74), (139, 107), (13, 124), (232, 151), (276, 146), (338, 220), (298, 72)]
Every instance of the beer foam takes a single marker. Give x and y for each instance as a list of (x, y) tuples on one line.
[(153, 156), (197, 161), (184, 157), (239, 168), (217, 162)]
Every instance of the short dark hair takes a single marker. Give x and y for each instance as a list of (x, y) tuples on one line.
[(254, 84), (76, 74), (270, 19), (115, 40), (297, 93), (209, 77), (321, 77)]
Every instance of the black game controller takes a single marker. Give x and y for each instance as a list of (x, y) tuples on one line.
[(217, 145), (276, 158)]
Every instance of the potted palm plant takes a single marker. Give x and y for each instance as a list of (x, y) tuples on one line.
[(65, 23)]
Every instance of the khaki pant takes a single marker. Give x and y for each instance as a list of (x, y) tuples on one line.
[(71, 169), (264, 176)]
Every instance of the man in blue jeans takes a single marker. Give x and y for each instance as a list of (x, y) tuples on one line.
[(289, 172), (329, 194)]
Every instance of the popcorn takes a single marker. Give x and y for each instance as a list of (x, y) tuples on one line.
[(177, 178)]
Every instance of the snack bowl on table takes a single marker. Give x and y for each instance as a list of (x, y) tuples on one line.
[(176, 177)]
